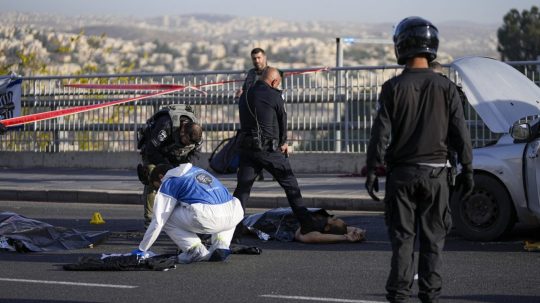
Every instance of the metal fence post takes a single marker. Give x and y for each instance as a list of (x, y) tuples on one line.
[(344, 99), (337, 96)]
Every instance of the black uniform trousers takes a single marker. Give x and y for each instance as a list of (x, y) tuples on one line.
[(252, 163), (416, 205)]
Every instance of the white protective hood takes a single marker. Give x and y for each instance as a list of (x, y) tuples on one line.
[(499, 93)]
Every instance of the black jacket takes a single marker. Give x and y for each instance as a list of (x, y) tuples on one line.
[(160, 142), (266, 108), (251, 78), (421, 114)]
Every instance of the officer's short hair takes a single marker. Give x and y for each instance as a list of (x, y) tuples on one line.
[(191, 137), (160, 169), (194, 132), (257, 50)]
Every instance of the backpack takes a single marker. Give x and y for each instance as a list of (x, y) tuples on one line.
[(225, 158)]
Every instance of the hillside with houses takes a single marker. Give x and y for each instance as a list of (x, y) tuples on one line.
[(48, 44)]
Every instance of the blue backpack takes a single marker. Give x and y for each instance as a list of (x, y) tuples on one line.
[(225, 158)]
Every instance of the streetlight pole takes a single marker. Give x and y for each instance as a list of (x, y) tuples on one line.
[(340, 95)]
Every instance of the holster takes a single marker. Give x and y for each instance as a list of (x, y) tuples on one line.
[(256, 143), (272, 145), (251, 142), (142, 173), (452, 173)]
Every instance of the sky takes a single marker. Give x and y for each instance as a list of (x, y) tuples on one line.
[(362, 11)]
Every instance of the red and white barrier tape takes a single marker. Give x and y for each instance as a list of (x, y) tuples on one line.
[(78, 109), (165, 89)]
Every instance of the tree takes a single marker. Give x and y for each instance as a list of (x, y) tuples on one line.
[(519, 36)]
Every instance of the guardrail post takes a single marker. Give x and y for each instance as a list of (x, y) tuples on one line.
[(344, 99), (337, 96)]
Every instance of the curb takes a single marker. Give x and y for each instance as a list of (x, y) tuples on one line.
[(123, 197)]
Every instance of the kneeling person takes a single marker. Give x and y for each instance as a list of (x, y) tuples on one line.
[(191, 201)]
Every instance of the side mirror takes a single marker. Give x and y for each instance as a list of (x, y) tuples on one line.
[(521, 131)]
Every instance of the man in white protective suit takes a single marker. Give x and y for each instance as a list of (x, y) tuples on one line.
[(191, 201)]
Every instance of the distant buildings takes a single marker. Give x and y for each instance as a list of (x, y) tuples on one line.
[(32, 44)]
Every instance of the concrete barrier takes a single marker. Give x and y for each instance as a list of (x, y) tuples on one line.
[(332, 163)]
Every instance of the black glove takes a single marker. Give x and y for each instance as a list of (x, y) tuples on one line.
[(372, 184), (3, 129), (466, 184), (465, 181)]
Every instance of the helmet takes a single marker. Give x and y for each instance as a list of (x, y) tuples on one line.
[(414, 36)]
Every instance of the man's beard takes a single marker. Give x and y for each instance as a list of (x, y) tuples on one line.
[(260, 67)]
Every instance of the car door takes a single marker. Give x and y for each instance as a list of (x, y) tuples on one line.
[(532, 175)]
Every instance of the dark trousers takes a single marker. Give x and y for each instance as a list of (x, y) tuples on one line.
[(253, 162), (416, 204)]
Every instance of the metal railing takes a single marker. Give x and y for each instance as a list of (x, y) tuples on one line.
[(329, 110)]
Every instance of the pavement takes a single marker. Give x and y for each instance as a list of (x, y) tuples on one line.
[(121, 186)]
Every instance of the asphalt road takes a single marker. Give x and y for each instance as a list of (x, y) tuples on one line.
[(285, 272)]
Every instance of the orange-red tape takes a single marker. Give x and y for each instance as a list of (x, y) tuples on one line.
[(78, 109), (165, 89)]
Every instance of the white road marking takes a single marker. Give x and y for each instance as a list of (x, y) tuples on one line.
[(319, 299), (67, 283)]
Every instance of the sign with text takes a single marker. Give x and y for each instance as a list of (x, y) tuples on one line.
[(10, 97)]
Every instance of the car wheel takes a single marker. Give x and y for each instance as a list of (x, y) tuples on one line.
[(486, 214)]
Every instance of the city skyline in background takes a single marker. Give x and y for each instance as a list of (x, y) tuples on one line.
[(121, 36), (367, 11)]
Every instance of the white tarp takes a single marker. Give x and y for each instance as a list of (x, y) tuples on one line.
[(499, 93), (10, 97)]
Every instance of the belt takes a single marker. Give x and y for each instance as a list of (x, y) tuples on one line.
[(434, 171)]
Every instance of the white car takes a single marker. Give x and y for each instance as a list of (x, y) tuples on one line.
[(506, 173)]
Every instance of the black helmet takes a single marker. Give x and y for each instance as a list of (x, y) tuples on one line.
[(414, 36)]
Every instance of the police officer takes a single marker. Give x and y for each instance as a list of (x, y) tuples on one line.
[(168, 138), (263, 144), (260, 63), (422, 114)]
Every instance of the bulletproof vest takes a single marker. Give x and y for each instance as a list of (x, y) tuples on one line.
[(177, 113)]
